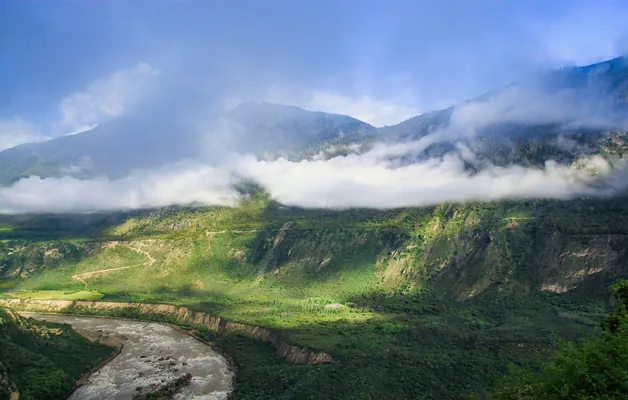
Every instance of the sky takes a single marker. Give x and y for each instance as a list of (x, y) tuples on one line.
[(67, 66), (383, 61)]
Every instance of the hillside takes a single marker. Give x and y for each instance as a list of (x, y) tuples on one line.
[(403, 299), (41, 360), (116, 148), (593, 96)]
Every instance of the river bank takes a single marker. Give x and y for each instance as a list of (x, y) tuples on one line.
[(152, 355), (172, 314)]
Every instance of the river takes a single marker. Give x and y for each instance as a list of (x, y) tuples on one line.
[(152, 353)]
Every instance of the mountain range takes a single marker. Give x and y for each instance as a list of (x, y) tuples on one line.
[(560, 113)]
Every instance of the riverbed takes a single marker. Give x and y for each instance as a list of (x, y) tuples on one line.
[(152, 354)]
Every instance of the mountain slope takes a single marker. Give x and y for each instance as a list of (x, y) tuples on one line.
[(116, 148), (593, 96), (402, 299), (571, 101)]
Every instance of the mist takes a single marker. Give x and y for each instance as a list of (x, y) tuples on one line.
[(372, 179)]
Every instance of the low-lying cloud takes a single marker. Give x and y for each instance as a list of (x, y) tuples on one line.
[(175, 184), (372, 179), (518, 105)]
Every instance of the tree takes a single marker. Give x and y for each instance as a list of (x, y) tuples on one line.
[(596, 368)]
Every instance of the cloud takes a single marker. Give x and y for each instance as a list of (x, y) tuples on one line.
[(529, 103), (375, 181), (175, 184), (372, 179), (104, 99), (14, 131), (365, 108), (375, 111)]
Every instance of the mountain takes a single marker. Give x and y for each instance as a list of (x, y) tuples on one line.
[(552, 106), (593, 96), (118, 147), (274, 127), (403, 300), (111, 149)]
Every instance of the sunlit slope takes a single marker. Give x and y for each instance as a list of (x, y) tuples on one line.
[(431, 292), (510, 246)]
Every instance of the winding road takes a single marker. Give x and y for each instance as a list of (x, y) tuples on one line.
[(150, 260)]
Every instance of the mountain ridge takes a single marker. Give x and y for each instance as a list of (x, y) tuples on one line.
[(268, 129)]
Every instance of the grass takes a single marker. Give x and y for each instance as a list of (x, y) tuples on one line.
[(54, 295)]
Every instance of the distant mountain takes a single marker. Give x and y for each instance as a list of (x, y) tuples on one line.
[(561, 115), (577, 105), (593, 96), (116, 148), (263, 127)]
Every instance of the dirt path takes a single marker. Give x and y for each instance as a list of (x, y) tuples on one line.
[(212, 233), (150, 260)]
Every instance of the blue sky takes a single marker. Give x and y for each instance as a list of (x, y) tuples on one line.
[(382, 61)]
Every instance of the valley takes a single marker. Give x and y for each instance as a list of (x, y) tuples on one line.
[(401, 299)]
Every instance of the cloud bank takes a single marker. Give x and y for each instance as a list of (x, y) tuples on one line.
[(372, 179)]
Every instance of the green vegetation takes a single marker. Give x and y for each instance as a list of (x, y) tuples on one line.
[(403, 300), (54, 295), (595, 368), (43, 360)]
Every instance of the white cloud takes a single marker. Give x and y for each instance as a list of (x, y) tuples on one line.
[(365, 108), (176, 184), (371, 179), (104, 99), (528, 104), (377, 112), (368, 181), (16, 131)]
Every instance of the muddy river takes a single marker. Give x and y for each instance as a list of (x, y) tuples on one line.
[(152, 353)]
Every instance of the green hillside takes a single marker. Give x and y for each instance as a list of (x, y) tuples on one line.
[(150, 141), (404, 300), (41, 360)]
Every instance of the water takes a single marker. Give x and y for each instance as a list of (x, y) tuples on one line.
[(145, 344)]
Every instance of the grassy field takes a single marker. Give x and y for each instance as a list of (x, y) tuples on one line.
[(412, 303)]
